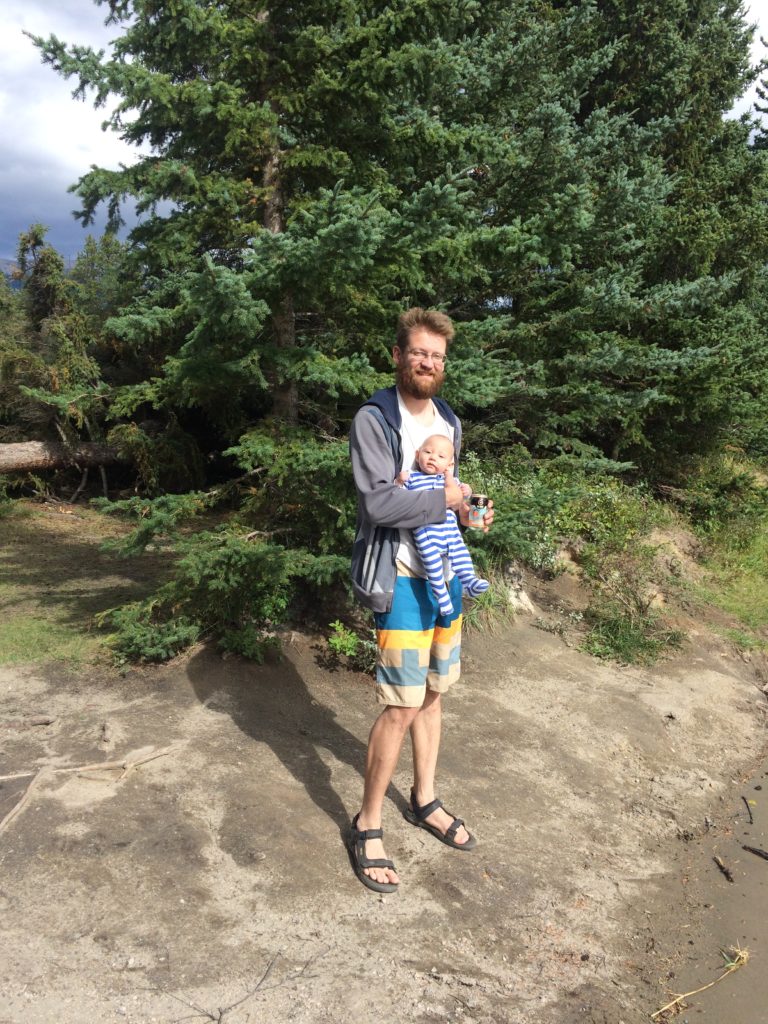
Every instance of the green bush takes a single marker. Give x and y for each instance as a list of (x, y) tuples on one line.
[(540, 504), (724, 493), (140, 636), (225, 587), (354, 647)]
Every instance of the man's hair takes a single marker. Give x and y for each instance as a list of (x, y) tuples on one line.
[(429, 319)]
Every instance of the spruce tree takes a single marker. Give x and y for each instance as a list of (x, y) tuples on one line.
[(559, 178)]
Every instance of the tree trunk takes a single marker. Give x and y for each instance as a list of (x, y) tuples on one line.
[(27, 456), (285, 400)]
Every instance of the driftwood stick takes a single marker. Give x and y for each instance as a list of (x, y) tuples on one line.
[(725, 870), (127, 763), (25, 797), (749, 810), (757, 851)]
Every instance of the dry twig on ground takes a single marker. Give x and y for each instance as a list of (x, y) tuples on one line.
[(735, 957)]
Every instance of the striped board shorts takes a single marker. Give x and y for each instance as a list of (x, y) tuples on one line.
[(418, 648)]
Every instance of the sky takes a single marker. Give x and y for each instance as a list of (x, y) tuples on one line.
[(50, 139)]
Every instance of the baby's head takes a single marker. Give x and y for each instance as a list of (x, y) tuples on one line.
[(435, 455)]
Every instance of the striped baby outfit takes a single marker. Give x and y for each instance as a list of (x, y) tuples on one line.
[(435, 540)]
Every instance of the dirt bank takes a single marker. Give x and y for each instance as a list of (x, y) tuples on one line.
[(215, 876)]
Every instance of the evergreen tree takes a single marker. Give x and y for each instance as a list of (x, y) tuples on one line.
[(556, 176)]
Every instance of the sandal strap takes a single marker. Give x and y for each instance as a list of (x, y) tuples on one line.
[(366, 833), (425, 811), (453, 828), (374, 862)]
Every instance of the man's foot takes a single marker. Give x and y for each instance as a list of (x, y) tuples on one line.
[(369, 860), (433, 817)]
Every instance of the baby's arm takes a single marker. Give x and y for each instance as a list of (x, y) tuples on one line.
[(402, 477), (466, 490)]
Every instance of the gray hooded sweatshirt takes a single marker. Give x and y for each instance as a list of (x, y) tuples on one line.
[(384, 508)]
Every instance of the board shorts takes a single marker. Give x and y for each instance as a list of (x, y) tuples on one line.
[(418, 648)]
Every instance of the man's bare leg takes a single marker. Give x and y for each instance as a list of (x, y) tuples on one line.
[(384, 745), (425, 741)]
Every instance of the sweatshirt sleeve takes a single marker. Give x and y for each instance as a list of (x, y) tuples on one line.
[(381, 500)]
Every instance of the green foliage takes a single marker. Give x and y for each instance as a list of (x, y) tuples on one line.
[(723, 493), (559, 177), (731, 502), (6, 503), (157, 520), (224, 587), (301, 489), (140, 636), (540, 504), (356, 648), (167, 458), (632, 641)]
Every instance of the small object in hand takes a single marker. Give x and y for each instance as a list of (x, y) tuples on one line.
[(478, 506)]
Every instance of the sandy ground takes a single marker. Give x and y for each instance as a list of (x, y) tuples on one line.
[(212, 883)]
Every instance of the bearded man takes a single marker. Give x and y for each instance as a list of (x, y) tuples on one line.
[(418, 648)]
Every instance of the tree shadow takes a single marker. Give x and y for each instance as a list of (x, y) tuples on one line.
[(65, 572), (272, 704)]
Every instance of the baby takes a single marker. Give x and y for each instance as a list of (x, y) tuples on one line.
[(435, 459)]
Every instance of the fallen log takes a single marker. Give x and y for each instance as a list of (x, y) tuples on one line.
[(28, 456)]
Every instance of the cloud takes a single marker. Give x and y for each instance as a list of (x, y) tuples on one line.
[(49, 139)]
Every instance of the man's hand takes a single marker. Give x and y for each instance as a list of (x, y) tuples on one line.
[(454, 498), (487, 519)]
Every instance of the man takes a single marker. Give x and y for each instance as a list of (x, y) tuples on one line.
[(419, 648)]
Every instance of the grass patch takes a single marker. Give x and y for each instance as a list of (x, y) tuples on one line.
[(632, 641), (745, 641), (26, 639), (487, 611), (737, 583), (55, 580)]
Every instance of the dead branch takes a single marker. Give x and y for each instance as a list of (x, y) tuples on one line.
[(126, 764), (749, 810), (740, 957), (80, 486), (25, 797), (725, 870), (27, 456), (217, 1016), (757, 851)]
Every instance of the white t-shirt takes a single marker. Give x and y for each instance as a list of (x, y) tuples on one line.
[(413, 434)]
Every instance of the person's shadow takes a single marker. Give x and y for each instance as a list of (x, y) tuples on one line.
[(271, 704)]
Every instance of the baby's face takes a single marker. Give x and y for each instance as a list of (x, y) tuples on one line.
[(435, 456)]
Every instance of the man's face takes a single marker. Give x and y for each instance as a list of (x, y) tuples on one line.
[(419, 373)]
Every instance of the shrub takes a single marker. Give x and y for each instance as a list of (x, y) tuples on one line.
[(225, 587), (354, 647)]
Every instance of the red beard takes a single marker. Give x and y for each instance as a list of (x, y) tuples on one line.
[(419, 383)]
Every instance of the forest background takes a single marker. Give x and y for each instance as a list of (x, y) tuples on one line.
[(560, 177)]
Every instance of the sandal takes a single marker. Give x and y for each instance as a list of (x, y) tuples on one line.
[(357, 841), (416, 815)]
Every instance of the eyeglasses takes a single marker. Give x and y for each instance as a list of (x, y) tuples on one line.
[(420, 355)]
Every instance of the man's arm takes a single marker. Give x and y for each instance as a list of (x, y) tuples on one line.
[(373, 467)]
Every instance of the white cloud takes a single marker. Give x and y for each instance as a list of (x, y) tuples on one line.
[(49, 139)]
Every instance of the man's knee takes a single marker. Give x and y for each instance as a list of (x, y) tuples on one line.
[(400, 717)]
